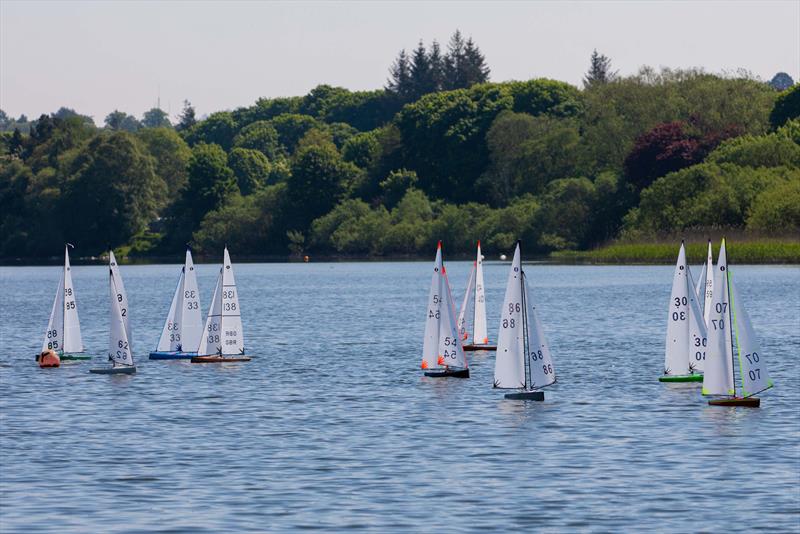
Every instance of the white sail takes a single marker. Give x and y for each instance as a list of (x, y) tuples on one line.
[(697, 331), (119, 349), (210, 340), (450, 351), (72, 341), (676, 352), (231, 336), (170, 338), (755, 377), (54, 335), (122, 296), (480, 335), (708, 296), (509, 364), (700, 284), (543, 372), (718, 375), (463, 328), (191, 315), (430, 346)]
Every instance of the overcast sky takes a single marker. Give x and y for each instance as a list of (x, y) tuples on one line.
[(99, 56)]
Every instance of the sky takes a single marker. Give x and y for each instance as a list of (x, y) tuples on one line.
[(97, 56)]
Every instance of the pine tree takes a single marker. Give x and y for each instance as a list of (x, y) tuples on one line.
[(474, 67), (437, 66), (187, 117), (16, 145), (422, 81), (599, 71), (453, 62), (399, 81)]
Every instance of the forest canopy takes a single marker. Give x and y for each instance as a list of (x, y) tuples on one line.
[(440, 153)]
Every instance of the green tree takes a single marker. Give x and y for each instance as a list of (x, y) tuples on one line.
[(787, 106), (156, 118), (292, 127), (187, 117), (319, 180), (171, 155), (251, 224), (251, 168), (396, 185), (219, 129), (599, 70), (777, 209), (261, 136), (399, 82), (211, 182), (107, 213)]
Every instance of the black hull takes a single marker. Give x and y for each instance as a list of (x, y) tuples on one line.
[(443, 373)]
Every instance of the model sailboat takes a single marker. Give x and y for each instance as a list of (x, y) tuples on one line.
[(120, 352), (223, 339), (121, 295), (184, 325), (475, 297), (63, 335), (442, 353), (523, 358), (685, 351), (729, 321)]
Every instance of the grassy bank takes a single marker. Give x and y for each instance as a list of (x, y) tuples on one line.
[(753, 251)]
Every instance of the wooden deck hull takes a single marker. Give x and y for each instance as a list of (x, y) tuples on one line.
[(748, 402), (526, 396), (444, 373), (473, 348), (157, 355), (121, 370), (696, 377), (213, 358)]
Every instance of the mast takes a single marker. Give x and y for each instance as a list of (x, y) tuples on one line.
[(64, 300), (526, 339), (730, 323)]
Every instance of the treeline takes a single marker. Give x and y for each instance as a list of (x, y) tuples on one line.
[(390, 171)]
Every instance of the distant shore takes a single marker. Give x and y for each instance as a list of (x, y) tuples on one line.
[(761, 251)]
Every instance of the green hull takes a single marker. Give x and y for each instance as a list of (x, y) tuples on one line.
[(681, 378), (74, 357)]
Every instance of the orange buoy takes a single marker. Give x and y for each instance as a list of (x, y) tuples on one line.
[(48, 358), (306, 258)]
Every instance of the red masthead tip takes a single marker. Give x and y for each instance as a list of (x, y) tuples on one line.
[(479, 242), (439, 245)]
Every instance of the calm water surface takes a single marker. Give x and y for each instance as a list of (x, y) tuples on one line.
[(332, 425)]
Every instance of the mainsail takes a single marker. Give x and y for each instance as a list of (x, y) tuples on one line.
[(121, 295), (223, 330), (463, 327), (480, 335), (119, 348), (450, 351), (509, 364), (718, 375), (64, 328), (430, 346), (676, 354), (184, 325)]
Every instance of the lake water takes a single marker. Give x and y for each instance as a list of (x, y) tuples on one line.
[(332, 426)]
